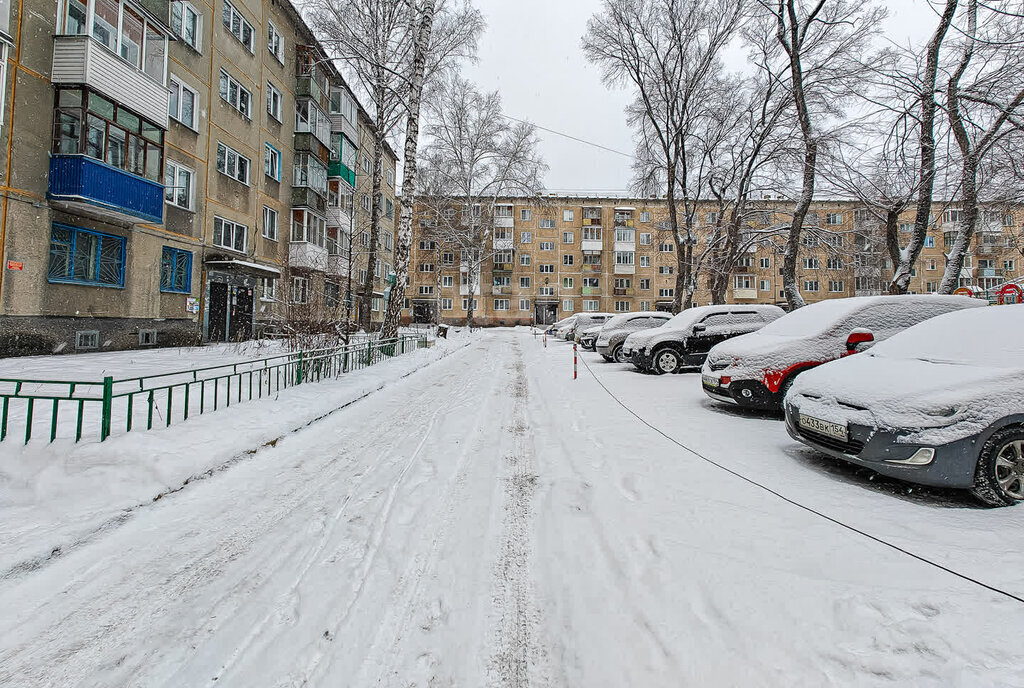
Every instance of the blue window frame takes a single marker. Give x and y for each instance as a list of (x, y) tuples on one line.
[(176, 271), (84, 256)]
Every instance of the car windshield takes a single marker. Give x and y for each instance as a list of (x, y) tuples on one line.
[(991, 337), (689, 316), (813, 319)]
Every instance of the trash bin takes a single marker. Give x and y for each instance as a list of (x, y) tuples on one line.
[(442, 331)]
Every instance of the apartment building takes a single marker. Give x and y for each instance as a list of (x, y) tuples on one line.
[(549, 259), (200, 179)]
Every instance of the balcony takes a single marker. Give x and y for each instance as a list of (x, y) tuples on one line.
[(625, 269), (464, 289), (338, 217), (988, 272), (340, 169), (337, 264), (591, 245), (306, 197), (308, 86), (501, 291), (503, 222), (503, 267), (592, 268), (84, 183), (340, 123), (623, 291), (303, 255), (81, 60), (744, 294), (502, 244), (628, 246), (591, 291)]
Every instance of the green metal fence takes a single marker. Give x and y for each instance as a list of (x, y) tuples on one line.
[(69, 408)]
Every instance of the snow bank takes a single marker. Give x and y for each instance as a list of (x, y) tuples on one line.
[(51, 495)]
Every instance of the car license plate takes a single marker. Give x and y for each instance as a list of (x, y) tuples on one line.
[(710, 381), (824, 427)]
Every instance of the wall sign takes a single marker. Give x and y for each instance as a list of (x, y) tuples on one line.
[(192, 305), (15, 265)]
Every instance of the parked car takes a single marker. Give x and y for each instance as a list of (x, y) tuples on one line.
[(588, 320), (684, 341), (756, 370), (565, 331), (588, 337), (613, 334), (564, 322), (941, 403)]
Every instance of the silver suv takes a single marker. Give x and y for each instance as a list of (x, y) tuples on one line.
[(615, 331)]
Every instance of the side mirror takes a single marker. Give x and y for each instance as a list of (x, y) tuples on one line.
[(699, 327), (858, 337)]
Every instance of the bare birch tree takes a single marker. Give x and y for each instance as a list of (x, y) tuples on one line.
[(475, 156)]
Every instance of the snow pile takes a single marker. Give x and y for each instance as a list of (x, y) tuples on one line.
[(945, 379), (53, 493)]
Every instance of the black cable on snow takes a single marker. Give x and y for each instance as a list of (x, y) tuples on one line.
[(831, 519)]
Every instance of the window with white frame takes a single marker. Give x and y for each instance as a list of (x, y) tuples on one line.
[(834, 264), (524, 258), (645, 283), (525, 237), (591, 304), (183, 102), (275, 42), (270, 222), (1009, 265), (426, 290), (501, 304), (645, 305), (624, 257), (666, 292), (645, 238), (592, 282), (567, 305), (545, 268), (446, 304), (766, 285), (524, 282), (834, 218), (567, 216), (568, 259), (447, 281), (811, 263), (268, 289), (275, 102), (666, 247), (465, 304), (743, 282), (235, 94), (525, 214), (568, 237), (391, 177), (232, 163), (546, 224), (546, 291), (567, 282), (187, 24), (645, 216), (810, 285), (236, 24), (645, 261), (622, 306), (300, 290), (547, 246), (524, 304), (836, 286), (178, 185), (229, 235), (503, 211), (272, 162), (666, 269), (426, 267), (765, 263)]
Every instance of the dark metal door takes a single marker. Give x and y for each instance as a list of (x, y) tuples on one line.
[(218, 312), (546, 313), (241, 314)]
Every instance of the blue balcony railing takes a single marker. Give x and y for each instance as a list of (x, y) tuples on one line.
[(79, 178)]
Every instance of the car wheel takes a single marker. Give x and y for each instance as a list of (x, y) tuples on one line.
[(607, 358), (666, 361), (617, 355), (999, 477)]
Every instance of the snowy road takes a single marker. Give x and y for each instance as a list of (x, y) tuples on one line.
[(491, 522)]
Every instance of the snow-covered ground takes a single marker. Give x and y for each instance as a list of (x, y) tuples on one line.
[(487, 520)]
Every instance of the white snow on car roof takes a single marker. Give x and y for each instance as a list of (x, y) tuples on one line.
[(691, 315), (991, 337), (818, 317)]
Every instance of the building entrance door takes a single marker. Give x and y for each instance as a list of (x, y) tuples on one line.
[(218, 327), (240, 325), (546, 313)]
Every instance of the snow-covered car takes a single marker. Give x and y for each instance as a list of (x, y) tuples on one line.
[(756, 370), (588, 337), (615, 331), (587, 320), (684, 341), (941, 403), (560, 327)]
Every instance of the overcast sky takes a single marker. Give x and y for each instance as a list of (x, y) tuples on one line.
[(531, 54)]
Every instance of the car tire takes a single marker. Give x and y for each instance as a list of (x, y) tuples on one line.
[(999, 475), (617, 355), (608, 358), (666, 360)]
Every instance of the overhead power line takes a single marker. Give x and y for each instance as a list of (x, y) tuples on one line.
[(570, 136)]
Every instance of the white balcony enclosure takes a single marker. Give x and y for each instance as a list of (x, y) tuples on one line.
[(304, 255), (594, 246), (625, 246), (337, 265), (503, 244), (338, 217), (82, 60), (504, 222), (625, 269), (742, 294)]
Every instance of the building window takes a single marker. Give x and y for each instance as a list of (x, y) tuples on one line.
[(624, 257), (645, 261), (186, 23), (547, 291), (275, 42), (426, 290), (426, 267), (232, 163), (810, 285), (645, 216), (447, 281), (501, 304), (546, 224), (667, 292), (178, 185), (465, 304), (525, 237), (568, 259), (269, 223), (272, 162), (274, 102), (765, 263), (547, 246), (524, 304), (765, 285), (811, 263), (87, 123), (239, 27), (623, 282), (176, 271), (118, 27), (546, 268), (525, 215), (268, 289), (666, 269), (591, 304), (568, 237), (229, 235), (834, 218), (182, 105), (86, 257), (645, 238), (567, 216), (567, 305), (834, 264), (300, 290), (391, 178), (1009, 265), (645, 283), (622, 306), (446, 304), (235, 95), (524, 258), (666, 247), (624, 235), (929, 242), (524, 282), (311, 119), (836, 286), (310, 172), (310, 228), (389, 208), (87, 339), (567, 282)]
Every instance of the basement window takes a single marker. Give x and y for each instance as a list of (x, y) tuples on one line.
[(87, 339), (147, 337)]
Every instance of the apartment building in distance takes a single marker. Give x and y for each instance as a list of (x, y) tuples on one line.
[(174, 172), (548, 259)]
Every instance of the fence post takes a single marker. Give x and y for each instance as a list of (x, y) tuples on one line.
[(298, 371), (369, 353), (108, 398)]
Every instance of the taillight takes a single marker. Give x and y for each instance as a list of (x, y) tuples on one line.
[(725, 379)]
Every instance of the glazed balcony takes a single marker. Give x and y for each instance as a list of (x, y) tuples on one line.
[(84, 183), (303, 255)]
